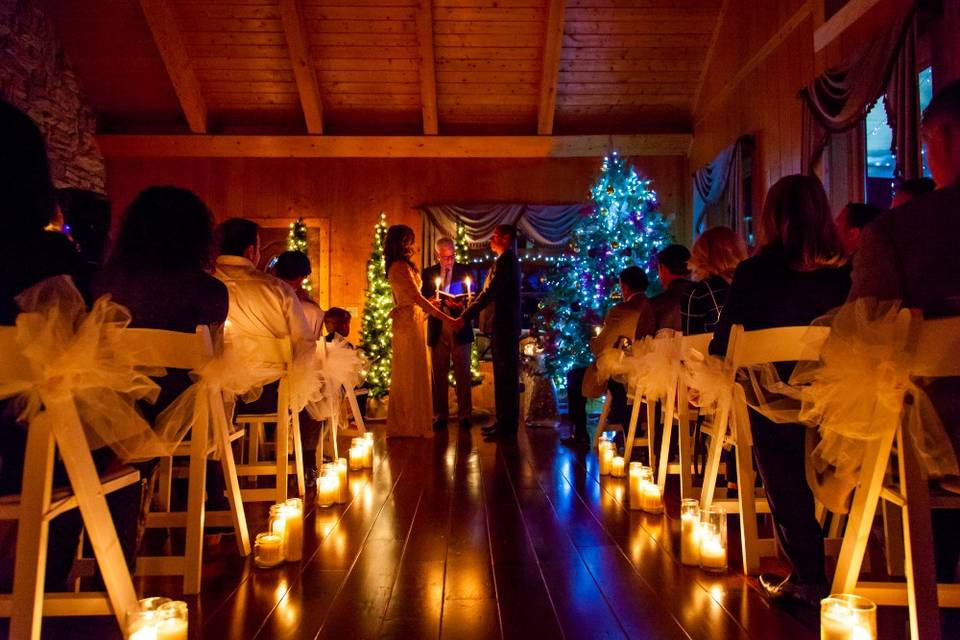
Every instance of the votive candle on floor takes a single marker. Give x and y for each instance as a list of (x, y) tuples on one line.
[(606, 459), (342, 480), (355, 455), (141, 625), (267, 550), (847, 617), (689, 530), (328, 486), (713, 538), (368, 454), (617, 467), (174, 621), (652, 499), (634, 477), (293, 534)]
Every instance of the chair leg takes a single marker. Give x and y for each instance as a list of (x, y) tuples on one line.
[(232, 483), (282, 441), (746, 495), (32, 531), (355, 409), (860, 519), (712, 469), (602, 423), (164, 483), (651, 431), (76, 456), (685, 443), (298, 454), (918, 535), (632, 430), (667, 414), (193, 554)]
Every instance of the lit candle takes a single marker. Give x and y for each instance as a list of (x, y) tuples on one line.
[(436, 285), (689, 529), (597, 330), (634, 477), (713, 555), (142, 625), (293, 533), (468, 281), (616, 468), (174, 621), (356, 454), (606, 460), (652, 500), (267, 550), (328, 486), (342, 480), (847, 617), (368, 456)]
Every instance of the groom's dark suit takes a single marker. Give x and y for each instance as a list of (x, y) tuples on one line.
[(502, 289)]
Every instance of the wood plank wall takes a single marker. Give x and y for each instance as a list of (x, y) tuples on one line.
[(764, 100), (350, 193)]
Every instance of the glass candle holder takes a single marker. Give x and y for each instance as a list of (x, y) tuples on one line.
[(277, 520), (634, 480), (293, 533), (141, 625), (847, 617), (651, 500), (174, 621), (606, 455), (342, 477), (267, 550), (617, 467), (328, 485), (713, 538), (358, 450), (689, 532)]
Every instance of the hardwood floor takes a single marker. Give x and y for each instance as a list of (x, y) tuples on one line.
[(457, 538)]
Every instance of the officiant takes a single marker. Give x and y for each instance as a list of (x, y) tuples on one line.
[(454, 282)]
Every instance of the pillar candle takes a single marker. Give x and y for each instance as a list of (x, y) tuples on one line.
[(356, 458), (342, 477), (689, 530), (847, 617), (652, 500), (616, 468), (713, 554), (436, 283), (634, 478), (606, 460), (328, 487), (368, 453), (293, 535)]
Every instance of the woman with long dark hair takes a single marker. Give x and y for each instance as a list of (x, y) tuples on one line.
[(410, 407), (798, 274)]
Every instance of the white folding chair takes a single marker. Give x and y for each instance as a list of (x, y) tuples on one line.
[(731, 427), (346, 402), (681, 410), (177, 350), (278, 353), (936, 354), (58, 429)]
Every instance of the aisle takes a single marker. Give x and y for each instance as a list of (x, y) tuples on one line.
[(457, 538)]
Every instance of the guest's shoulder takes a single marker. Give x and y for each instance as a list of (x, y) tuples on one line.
[(920, 211)]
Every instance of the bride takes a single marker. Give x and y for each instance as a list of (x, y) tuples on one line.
[(410, 407)]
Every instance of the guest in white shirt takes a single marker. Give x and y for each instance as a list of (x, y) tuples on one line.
[(261, 305), (293, 267)]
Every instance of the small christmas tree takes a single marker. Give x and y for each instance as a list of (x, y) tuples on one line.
[(624, 228), (297, 241), (377, 328), (462, 256)]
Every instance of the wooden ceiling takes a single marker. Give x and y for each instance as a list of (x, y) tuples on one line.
[(389, 67)]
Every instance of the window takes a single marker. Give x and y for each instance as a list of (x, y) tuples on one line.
[(880, 163)]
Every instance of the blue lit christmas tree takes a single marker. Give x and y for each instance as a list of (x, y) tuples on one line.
[(377, 332), (624, 228)]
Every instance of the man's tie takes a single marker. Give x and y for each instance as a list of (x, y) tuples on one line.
[(446, 280)]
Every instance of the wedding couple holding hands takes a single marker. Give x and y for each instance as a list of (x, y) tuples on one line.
[(415, 399)]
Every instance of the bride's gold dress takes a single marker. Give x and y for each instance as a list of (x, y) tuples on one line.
[(410, 405)]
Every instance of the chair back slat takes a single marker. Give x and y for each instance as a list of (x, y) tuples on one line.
[(937, 350), (699, 342), (782, 344), (12, 363), (173, 349)]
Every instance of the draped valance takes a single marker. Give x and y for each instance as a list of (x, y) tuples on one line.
[(547, 225), (840, 98), (718, 197)]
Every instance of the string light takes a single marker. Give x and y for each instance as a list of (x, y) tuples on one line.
[(297, 241), (377, 331)]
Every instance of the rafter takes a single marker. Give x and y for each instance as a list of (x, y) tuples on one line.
[(709, 57), (166, 35), (838, 23), (428, 69), (428, 146), (551, 67), (303, 71)]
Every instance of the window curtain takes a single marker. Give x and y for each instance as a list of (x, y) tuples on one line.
[(718, 198), (840, 98), (547, 225)]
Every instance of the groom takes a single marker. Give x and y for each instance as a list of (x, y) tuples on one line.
[(502, 289)]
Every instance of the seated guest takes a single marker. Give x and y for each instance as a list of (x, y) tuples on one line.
[(336, 322), (633, 318), (851, 221), (29, 255), (910, 189), (675, 278), (293, 267), (910, 254), (798, 274), (715, 256)]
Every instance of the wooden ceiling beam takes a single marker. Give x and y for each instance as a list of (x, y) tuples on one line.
[(166, 35), (428, 68), (303, 71), (708, 59), (551, 67), (427, 146)]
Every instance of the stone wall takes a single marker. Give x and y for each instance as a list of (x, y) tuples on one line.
[(36, 77)]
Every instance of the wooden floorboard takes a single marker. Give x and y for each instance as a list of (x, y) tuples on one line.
[(455, 537)]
